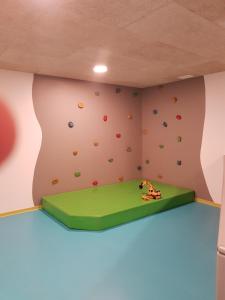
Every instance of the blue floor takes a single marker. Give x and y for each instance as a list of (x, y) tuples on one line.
[(166, 256)]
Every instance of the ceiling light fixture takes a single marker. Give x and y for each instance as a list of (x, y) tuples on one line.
[(185, 76), (100, 69)]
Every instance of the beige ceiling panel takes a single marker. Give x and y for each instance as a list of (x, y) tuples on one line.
[(213, 10), (179, 27), (144, 42), (205, 68), (114, 13), (162, 52)]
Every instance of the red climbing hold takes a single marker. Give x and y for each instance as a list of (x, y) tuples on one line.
[(95, 183), (105, 118), (118, 135), (178, 117)]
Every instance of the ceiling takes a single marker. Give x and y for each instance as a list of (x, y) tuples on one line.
[(143, 42)]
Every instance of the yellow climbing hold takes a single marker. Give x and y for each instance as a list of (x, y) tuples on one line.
[(81, 105)]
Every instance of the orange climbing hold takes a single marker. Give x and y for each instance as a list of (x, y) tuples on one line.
[(121, 179), (96, 144), (55, 181), (145, 131), (175, 99), (75, 153), (130, 116)]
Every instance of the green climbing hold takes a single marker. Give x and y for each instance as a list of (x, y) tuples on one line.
[(135, 93), (77, 174)]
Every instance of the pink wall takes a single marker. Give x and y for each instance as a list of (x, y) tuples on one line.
[(173, 148), (56, 103)]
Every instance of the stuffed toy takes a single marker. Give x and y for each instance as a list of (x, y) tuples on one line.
[(152, 192)]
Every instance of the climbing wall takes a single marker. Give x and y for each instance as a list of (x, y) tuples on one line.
[(172, 128), (91, 134)]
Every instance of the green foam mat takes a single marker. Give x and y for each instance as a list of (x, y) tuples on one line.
[(111, 205)]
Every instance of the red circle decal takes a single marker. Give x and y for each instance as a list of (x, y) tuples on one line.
[(7, 132)]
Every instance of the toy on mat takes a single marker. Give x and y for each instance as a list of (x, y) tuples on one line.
[(152, 192)]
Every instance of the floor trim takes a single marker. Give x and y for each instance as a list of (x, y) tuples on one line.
[(19, 211), (208, 202)]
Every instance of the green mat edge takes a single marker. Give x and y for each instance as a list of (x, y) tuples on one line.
[(107, 221)]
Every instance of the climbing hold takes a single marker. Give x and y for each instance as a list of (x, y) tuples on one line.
[(121, 179), (139, 168), (70, 124), (55, 181), (161, 86), (80, 105), (135, 93), (75, 153), (130, 116), (145, 131), (77, 174), (118, 135), (179, 162), (95, 182), (118, 90), (178, 117), (105, 118), (165, 124), (175, 99), (110, 160), (160, 176), (147, 161), (129, 149), (97, 93), (155, 111), (179, 139), (161, 146), (96, 144)]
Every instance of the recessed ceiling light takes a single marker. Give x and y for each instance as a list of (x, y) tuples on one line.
[(100, 69), (185, 76)]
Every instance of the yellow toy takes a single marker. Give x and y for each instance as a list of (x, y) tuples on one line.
[(152, 192)]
